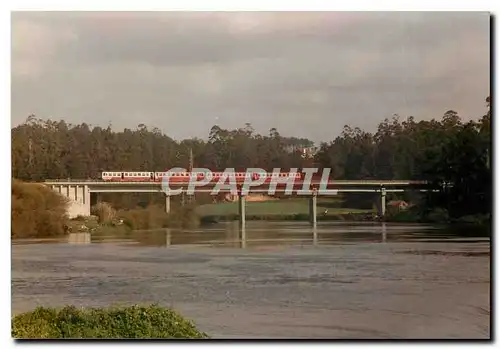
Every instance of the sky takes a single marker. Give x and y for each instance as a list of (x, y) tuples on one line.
[(305, 73)]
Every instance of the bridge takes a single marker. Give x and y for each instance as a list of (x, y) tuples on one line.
[(79, 191)]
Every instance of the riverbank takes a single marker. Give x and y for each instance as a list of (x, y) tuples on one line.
[(282, 210)]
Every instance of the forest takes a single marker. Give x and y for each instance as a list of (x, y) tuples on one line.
[(443, 149)]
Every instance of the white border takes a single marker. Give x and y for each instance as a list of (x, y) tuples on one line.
[(173, 5)]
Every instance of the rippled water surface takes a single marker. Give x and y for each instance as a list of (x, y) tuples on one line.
[(275, 280)]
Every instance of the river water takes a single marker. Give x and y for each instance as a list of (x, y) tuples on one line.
[(275, 280)]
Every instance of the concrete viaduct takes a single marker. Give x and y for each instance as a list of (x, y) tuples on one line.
[(78, 191)]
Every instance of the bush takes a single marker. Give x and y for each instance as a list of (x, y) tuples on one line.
[(127, 322), (438, 215), (154, 217), (104, 212), (37, 211)]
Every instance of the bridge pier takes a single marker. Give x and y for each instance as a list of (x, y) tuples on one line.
[(313, 208), (381, 210), (167, 204), (79, 198), (241, 208)]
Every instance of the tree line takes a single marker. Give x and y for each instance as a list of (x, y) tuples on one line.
[(439, 150)]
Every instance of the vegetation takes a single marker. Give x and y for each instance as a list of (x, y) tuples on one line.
[(449, 150), (154, 216), (140, 322), (104, 212), (36, 211)]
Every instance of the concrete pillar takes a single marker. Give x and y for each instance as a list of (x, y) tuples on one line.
[(167, 203), (381, 212), (315, 236), (86, 192), (313, 208), (241, 207)]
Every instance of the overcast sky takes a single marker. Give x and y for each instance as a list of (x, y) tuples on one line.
[(307, 74)]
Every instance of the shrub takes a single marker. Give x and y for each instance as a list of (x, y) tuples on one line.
[(97, 323), (438, 215), (37, 211), (154, 216), (104, 212)]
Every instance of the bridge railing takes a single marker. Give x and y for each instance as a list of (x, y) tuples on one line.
[(68, 180), (339, 182)]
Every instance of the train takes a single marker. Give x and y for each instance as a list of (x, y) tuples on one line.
[(148, 176)]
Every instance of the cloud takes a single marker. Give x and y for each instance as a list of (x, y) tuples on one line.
[(307, 74)]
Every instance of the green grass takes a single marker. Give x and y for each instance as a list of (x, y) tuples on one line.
[(150, 322), (274, 208)]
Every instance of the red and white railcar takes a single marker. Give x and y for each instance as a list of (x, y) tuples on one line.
[(184, 177), (112, 176), (138, 176)]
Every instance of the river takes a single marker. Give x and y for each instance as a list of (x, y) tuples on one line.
[(275, 280)]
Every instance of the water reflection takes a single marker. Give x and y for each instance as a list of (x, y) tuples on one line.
[(79, 238), (259, 234)]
